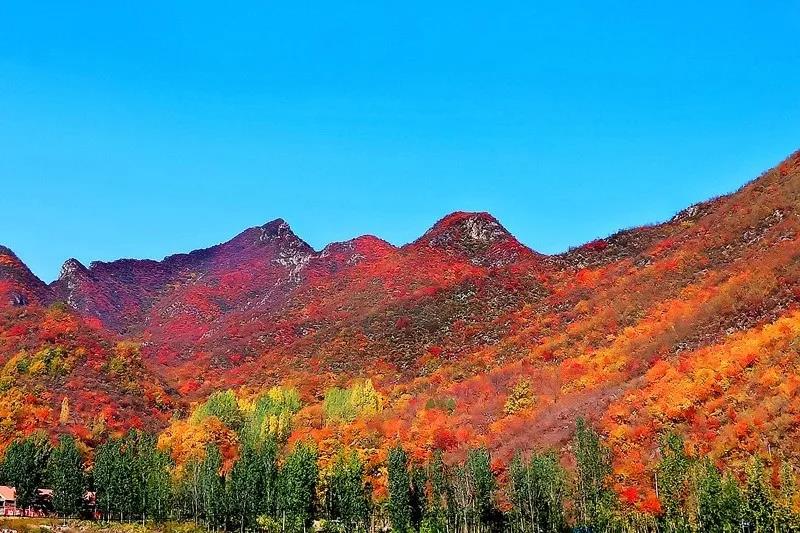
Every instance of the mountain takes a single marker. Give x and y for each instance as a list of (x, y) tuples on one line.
[(18, 285), (471, 337)]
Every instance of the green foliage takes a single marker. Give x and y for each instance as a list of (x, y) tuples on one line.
[(252, 484), (298, 486), (271, 416), (347, 497), (448, 404), (440, 511), (111, 477), (594, 498), (399, 486), (759, 506), (132, 478), (418, 500), (718, 500), (223, 405), (538, 490), (672, 478), (474, 489), (212, 488), (65, 474), (345, 405), (24, 467)]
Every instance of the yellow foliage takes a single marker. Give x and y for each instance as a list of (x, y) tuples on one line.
[(521, 397)]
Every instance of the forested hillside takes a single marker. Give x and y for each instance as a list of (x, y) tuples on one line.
[(460, 346)]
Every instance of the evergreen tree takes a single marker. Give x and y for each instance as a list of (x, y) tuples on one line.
[(65, 473), (399, 505)]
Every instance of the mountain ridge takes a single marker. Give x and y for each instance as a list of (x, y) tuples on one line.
[(649, 328)]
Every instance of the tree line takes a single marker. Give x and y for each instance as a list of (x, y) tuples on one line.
[(263, 491)]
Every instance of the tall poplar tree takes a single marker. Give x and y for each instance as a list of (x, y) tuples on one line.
[(65, 474)]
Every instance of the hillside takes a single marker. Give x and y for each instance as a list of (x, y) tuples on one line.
[(468, 336)]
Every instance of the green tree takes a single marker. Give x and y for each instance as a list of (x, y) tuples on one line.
[(25, 466), (152, 468), (65, 473), (418, 497), (440, 513), (252, 482), (474, 488), (298, 485), (672, 479), (538, 490), (212, 488), (399, 485), (347, 496), (223, 405), (594, 499), (718, 500), (112, 479), (759, 506)]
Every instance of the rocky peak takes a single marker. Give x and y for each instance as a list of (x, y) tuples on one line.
[(479, 236), (71, 268), (460, 226)]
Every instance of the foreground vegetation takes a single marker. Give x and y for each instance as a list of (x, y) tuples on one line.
[(263, 489)]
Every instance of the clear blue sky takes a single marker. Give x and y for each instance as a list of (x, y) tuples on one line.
[(141, 129)]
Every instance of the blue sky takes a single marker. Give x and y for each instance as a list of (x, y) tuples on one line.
[(143, 129)]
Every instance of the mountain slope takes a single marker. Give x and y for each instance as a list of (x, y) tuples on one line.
[(472, 338)]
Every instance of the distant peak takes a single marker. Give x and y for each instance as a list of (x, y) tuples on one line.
[(71, 267), (478, 236), (480, 227), (9, 258), (365, 245), (277, 228), (8, 254)]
